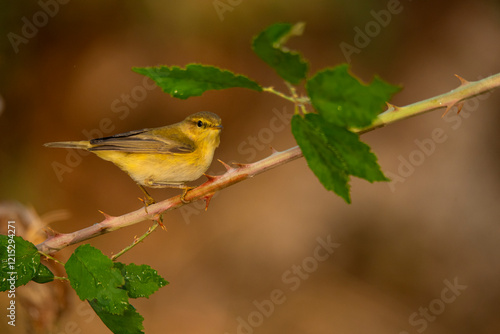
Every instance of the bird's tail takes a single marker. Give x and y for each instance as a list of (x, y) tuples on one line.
[(83, 145)]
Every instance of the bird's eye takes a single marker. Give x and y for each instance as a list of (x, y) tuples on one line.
[(200, 124)]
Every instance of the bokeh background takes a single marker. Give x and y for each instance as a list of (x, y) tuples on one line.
[(397, 245)]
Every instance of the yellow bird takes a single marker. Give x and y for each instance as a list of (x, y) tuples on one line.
[(162, 157)]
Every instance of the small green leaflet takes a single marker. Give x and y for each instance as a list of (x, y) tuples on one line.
[(93, 276), (140, 281), (130, 322), (334, 153), (43, 275), (268, 45), (195, 79), (343, 100), (20, 261)]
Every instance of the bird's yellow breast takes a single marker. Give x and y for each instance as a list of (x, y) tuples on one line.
[(159, 170)]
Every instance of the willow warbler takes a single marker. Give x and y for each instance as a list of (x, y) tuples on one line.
[(162, 157)]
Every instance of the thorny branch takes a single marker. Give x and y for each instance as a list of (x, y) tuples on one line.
[(233, 175)]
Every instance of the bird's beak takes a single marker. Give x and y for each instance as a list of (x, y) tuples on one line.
[(217, 127)]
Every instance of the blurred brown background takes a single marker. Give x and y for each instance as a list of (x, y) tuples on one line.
[(398, 248)]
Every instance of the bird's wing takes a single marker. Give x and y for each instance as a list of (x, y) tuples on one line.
[(142, 141)]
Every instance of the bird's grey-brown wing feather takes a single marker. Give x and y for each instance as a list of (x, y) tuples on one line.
[(141, 141)]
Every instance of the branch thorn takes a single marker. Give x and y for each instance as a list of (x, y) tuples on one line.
[(207, 200), (159, 219), (447, 109), (451, 105), (228, 168), (391, 107), (462, 80), (106, 216), (50, 232), (273, 150), (210, 177)]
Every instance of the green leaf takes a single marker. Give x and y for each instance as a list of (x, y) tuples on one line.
[(268, 45), (43, 275), (334, 153), (140, 281), (129, 322), (195, 79), (93, 276), (19, 261), (343, 100)]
